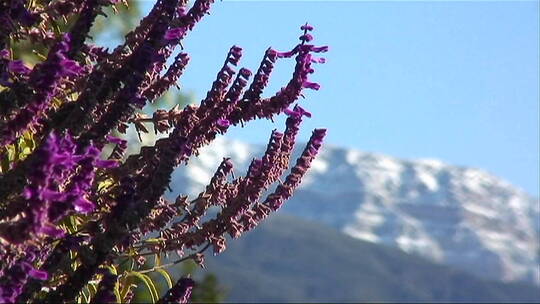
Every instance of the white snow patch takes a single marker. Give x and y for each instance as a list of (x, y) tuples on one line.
[(428, 180), (199, 175), (353, 156), (319, 165), (363, 235)]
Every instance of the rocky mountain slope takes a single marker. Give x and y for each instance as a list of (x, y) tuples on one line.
[(458, 216), (290, 260)]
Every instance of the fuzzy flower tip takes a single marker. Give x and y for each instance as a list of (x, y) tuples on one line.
[(306, 27)]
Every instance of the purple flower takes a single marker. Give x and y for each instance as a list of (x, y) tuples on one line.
[(106, 163), (306, 27), (70, 68), (138, 101), (67, 175), (318, 59), (223, 123), (38, 274), (4, 53), (83, 205), (116, 140), (306, 38), (311, 85), (18, 67), (52, 231), (174, 33), (297, 112)]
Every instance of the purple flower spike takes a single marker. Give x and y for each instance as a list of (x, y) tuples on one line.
[(18, 67), (174, 33), (77, 96)]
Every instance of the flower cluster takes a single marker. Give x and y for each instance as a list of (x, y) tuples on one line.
[(71, 216)]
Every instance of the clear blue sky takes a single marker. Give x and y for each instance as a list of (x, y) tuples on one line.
[(456, 81)]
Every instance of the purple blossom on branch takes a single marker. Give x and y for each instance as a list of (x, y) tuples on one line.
[(69, 214)]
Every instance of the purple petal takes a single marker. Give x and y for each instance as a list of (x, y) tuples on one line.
[(320, 49), (223, 123), (139, 101), (4, 53), (52, 231), (38, 274), (289, 112), (29, 192), (50, 195), (306, 27), (306, 37), (83, 205), (318, 60), (311, 85), (174, 33), (298, 109), (107, 163), (71, 67), (116, 140), (18, 67)]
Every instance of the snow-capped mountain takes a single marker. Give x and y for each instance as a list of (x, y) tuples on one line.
[(458, 216)]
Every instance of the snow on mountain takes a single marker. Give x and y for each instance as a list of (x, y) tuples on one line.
[(459, 216)]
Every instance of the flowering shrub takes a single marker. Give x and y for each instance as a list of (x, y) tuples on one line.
[(75, 224)]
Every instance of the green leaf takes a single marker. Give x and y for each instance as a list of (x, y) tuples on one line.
[(117, 293), (4, 164), (112, 269), (29, 140), (153, 240), (167, 276), (127, 287), (157, 260), (84, 297), (92, 289), (149, 284), (105, 184)]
